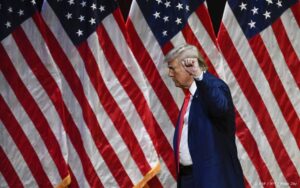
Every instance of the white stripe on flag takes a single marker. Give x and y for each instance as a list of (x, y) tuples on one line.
[(3, 182), (178, 40), (76, 166), (165, 177), (207, 44), (161, 117), (249, 172), (292, 28)]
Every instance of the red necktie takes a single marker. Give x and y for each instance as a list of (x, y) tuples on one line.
[(181, 121)]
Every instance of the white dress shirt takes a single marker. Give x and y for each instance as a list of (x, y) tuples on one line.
[(184, 152)]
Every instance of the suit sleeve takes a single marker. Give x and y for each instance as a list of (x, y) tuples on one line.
[(216, 95)]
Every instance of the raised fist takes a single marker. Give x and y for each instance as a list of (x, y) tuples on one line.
[(191, 65)]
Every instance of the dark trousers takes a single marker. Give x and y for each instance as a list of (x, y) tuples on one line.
[(186, 182), (186, 179)]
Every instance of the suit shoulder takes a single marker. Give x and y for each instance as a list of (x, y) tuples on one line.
[(213, 79)]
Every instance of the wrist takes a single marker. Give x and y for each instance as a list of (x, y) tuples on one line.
[(199, 76)]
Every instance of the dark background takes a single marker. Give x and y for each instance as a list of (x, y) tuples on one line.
[(215, 8)]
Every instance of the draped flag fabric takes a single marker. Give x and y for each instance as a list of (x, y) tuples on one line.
[(260, 42), (33, 148), (74, 103), (154, 28)]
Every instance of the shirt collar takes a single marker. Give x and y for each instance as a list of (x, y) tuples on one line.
[(193, 88)]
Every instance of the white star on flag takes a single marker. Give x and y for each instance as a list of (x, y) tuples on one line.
[(102, 8), (179, 6), (187, 8), (8, 24), (267, 14), (269, 2), (81, 18), (83, 3), (156, 15), (167, 4), (92, 21), (158, 1), (243, 6), (94, 6), (279, 3), (71, 2), (254, 10), (252, 24), (166, 18), (79, 33), (69, 16), (178, 21), (21, 12), (165, 33)]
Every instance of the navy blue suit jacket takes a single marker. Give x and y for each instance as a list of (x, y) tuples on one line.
[(211, 136)]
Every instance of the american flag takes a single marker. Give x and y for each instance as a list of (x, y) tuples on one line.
[(260, 42), (154, 28), (74, 104)]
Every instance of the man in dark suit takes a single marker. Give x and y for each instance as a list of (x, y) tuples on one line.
[(204, 139)]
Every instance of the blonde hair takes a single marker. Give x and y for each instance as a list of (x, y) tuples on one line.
[(186, 51)]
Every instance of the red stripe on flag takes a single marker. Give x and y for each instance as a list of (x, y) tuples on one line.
[(7, 170), (247, 185), (204, 16), (46, 82), (286, 107), (17, 134), (296, 11), (74, 82), (134, 93), (121, 23), (287, 50), (152, 74), (167, 47), (115, 114), (74, 183), (154, 183), (250, 145), (191, 39), (162, 149), (256, 102)]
